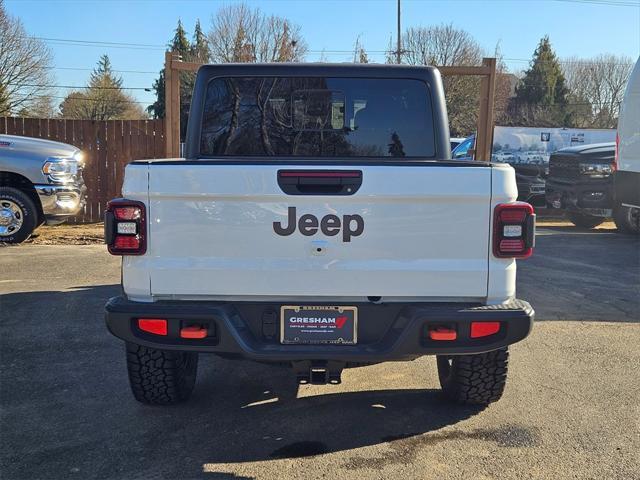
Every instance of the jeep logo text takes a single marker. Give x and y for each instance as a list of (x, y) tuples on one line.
[(330, 225)]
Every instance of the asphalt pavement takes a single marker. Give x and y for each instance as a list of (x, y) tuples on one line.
[(571, 408)]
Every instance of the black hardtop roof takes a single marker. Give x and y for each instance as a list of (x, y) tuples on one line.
[(317, 69), (429, 75)]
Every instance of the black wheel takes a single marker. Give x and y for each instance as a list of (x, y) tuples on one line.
[(161, 377), (584, 221), (474, 379), (18, 215), (627, 219)]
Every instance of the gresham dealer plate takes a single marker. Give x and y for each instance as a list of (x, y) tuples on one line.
[(318, 325)]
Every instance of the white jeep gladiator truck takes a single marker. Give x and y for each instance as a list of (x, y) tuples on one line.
[(318, 222)]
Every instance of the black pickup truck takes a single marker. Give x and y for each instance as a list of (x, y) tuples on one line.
[(580, 182)]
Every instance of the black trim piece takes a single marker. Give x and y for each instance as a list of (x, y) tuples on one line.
[(109, 227), (319, 182)]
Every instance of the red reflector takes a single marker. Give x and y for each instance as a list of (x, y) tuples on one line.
[(508, 246), (157, 326), (126, 213), (127, 242), (193, 331), (441, 333), (484, 329)]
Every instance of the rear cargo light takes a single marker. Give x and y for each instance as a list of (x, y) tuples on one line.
[(125, 227), (157, 326), (484, 329), (514, 230), (442, 334), (193, 331)]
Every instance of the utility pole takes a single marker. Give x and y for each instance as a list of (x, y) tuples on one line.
[(399, 46)]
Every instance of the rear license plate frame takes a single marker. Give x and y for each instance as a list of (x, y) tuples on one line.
[(323, 321)]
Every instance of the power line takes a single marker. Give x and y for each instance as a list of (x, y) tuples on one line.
[(564, 62), (58, 97), (92, 69), (147, 89), (99, 43), (611, 3), (80, 42)]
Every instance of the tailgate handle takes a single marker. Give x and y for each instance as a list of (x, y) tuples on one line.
[(319, 182)]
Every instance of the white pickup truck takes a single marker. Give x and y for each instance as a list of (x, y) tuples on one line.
[(318, 222)]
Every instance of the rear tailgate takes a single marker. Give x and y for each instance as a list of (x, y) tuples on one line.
[(211, 233)]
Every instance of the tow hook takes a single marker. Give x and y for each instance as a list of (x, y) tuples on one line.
[(318, 372)]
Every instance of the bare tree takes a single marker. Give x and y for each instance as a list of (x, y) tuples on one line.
[(504, 89), (445, 45), (596, 88), (24, 66), (440, 45), (240, 33)]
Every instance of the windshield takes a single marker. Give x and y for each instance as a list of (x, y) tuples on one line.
[(317, 116)]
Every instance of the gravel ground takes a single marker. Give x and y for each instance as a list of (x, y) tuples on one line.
[(68, 234), (571, 408)]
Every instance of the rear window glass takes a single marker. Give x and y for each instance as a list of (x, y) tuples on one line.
[(317, 117)]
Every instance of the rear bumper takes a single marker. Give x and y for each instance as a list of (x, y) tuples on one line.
[(385, 332), (589, 197)]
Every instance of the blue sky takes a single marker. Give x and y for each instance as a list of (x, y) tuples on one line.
[(582, 28)]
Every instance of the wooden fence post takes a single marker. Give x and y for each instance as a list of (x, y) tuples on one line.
[(171, 105), (484, 133)]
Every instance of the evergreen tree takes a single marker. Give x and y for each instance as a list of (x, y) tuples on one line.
[(179, 42), (200, 51), (103, 76), (542, 94), (157, 108), (103, 98)]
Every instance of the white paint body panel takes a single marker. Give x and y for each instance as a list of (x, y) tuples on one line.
[(426, 235), (629, 125), (502, 271)]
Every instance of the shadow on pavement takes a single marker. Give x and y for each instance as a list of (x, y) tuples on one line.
[(67, 409)]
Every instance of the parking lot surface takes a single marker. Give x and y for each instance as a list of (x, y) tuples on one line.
[(571, 408)]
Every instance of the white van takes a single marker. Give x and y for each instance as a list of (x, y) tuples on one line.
[(627, 177)]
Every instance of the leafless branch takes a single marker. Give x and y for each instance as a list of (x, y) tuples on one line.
[(23, 61), (239, 33)]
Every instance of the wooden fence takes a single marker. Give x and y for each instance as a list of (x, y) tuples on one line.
[(108, 147)]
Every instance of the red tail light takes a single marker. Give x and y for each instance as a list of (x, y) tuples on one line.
[(125, 227), (514, 230)]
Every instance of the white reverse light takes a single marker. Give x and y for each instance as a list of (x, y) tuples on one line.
[(512, 231), (126, 228)]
